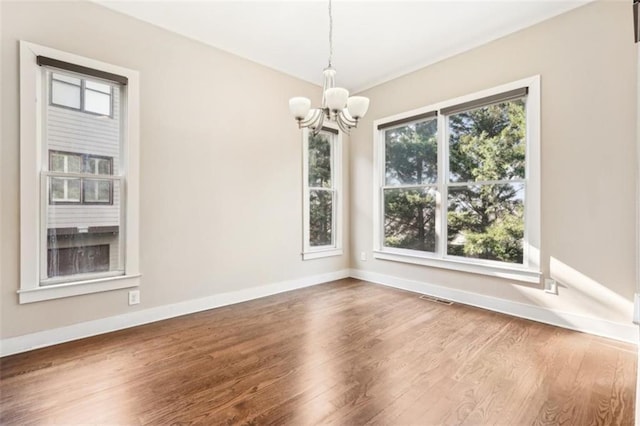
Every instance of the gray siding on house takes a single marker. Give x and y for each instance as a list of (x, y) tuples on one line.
[(83, 133)]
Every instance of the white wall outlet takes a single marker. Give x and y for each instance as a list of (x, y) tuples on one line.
[(550, 286), (134, 297), (363, 256)]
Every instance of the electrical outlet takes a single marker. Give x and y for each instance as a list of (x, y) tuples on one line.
[(550, 286), (134, 297), (363, 256)]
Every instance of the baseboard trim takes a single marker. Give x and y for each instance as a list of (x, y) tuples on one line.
[(27, 342), (613, 330)]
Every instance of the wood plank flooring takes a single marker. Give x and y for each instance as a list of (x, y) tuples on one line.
[(345, 352)]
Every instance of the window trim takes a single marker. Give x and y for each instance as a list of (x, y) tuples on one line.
[(529, 271), (309, 252), (33, 103)]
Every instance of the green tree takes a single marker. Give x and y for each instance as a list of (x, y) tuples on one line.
[(486, 220), (320, 201), (411, 154)]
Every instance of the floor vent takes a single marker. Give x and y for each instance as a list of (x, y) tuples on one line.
[(435, 299)]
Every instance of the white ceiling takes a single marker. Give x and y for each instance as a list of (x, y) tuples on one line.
[(374, 41)]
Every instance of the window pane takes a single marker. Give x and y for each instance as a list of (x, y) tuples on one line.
[(65, 94), (100, 87), (65, 190), (320, 160), (410, 218), (97, 102), (66, 78), (97, 191), (320, 218), (104, 167), (57, 162), (77, 259), (411, 154), (74, 164), (98, 166), (486, 222), (77, 234), (488, 143)]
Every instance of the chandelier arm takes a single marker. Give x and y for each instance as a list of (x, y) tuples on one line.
[(342, 125), (351, 122), (316, 129), (308, 122)]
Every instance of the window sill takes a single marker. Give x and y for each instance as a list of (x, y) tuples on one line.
[(77, 288), (318, 254), (505, 272)]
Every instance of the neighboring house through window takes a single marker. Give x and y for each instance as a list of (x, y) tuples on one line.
[(458, 184), (79, 146), (322, 177)]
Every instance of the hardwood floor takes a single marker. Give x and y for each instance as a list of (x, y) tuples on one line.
[(340, 353)]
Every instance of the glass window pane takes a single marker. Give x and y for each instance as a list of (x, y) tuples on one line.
[(97, 191), (410, 218), (78, 258), (104, 166), (320, 218), (100, 87), (486, 222), (66, 78), (57, 189), (65, 190), (65, 94), (57, 162), (411, 154), (97, 102), (74, 164), (488, 143), (320, 160), (84, 239)]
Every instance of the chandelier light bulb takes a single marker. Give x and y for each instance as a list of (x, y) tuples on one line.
[(299, 107), (357, 106), (336, 98)]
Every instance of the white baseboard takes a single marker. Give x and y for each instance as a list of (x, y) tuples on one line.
[(599, 327), (55, 336)]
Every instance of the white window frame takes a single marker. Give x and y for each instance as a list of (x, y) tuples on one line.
[(529, 271), (335, 249), (33, 199)]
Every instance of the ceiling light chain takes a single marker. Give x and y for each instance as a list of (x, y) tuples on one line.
[(330, 34), (337, 106)]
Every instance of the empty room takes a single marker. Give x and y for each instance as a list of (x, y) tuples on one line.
[(319, 212)]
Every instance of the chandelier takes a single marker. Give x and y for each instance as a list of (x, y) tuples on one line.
[(337, 105)]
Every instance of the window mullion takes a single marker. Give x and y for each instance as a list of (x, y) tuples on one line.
[(443, 167)]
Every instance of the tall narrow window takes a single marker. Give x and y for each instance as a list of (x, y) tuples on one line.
[(322, 193), (410, 188), (486, 182), (458, 184), (79, 180)]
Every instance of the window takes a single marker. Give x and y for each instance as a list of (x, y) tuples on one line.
[(71, 190), (458, 184), (82, 94), (79, 175), (322, 174)]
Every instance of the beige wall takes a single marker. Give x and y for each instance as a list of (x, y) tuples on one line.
[(220, 165), (587, 63)]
